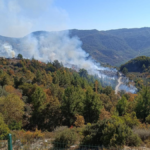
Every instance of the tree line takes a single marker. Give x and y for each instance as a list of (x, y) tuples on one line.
[(35, 95)]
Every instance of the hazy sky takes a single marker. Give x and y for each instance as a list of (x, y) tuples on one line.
[(20, 17)]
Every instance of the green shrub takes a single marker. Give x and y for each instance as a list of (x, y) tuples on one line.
[(130, 119), (148, 119), (4, 130), (110, 132), (15, 125), (133, 140), (65, 139)]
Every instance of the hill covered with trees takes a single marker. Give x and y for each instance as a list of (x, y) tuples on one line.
[(139, 64), (47, 90), (37, 96), (138, 69), (114, 47)]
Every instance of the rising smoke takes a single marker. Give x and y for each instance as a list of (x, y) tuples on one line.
[(25, 16), (54, 46), (59, 46), (7, 50)]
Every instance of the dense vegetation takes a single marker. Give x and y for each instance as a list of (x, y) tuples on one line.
[(139, 64), (46, 95), (138, 69), (37, 96)]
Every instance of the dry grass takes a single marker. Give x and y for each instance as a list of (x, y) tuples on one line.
[(147, 142), (144, 133), (60, 128), (49, 135), (3, 144), (28, 140)]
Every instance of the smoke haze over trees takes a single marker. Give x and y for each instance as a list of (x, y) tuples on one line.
[(52, 95), (52, 83)]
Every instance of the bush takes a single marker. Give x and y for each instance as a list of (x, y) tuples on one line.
[(133, 140), (15, 125), (27, 136), (148, 119), (60, 128), (110, 132), (79, 121), (4, 130), (3, 92), (65, 139), (147, 142), (130, 119)]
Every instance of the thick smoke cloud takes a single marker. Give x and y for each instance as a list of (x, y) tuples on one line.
[(6, 50), (21, 17), (55, 46), (51, 46), (24, 16)]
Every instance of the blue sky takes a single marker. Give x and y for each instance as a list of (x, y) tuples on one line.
[(106, 14), (20, 17)]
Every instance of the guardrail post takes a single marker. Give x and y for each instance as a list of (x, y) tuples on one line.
[(9, 142)]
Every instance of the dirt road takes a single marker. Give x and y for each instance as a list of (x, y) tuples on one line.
[(119, 83)]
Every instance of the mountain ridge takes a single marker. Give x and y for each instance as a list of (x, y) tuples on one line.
[(114, 47)]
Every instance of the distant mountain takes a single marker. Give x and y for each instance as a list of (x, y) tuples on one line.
[(114, 47)]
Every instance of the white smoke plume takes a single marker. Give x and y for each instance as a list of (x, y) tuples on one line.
[(51, 46), (6, 50), (57, 46), (128, 88), (21, 17)]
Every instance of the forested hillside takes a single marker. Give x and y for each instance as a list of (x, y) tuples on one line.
[(114, 47), (45, 89), (35, 96), (138, 69), (139, 64)]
